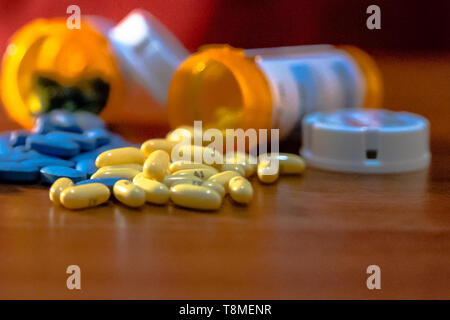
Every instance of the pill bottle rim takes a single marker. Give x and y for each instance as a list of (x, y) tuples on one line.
[(31, 35), (256, 105)]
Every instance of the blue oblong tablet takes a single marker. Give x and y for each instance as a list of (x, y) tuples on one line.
[(5, 147), (18, 137), (87, 166), (94, 153), (20, 149), (85, 143), (117, 141), (54, 147), (18, 173), (21, 154), (43, 125), (63, 120), (101, 136), (88, 120), (90, 154), (51, 173), (48, 161), (109, 182)]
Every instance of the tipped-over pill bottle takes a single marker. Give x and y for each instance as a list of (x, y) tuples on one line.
[(121, 72), (268, 88)]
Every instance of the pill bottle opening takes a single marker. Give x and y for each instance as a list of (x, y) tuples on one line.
[(47, 94), (212, 94), (48, 66), (222, 88)]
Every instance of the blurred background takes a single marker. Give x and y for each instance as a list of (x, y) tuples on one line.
[(406, 25), (414, 36)]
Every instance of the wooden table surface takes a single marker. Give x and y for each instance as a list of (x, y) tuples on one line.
[(302, 238)]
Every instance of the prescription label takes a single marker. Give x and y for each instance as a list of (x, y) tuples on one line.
[(309, 83)]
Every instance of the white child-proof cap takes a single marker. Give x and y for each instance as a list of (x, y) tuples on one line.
[(148, 51), (366, 141)]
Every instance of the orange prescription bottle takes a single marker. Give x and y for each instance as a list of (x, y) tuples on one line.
[(226, 87), (121, 72)]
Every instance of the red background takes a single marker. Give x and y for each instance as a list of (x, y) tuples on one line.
[(406, 25)]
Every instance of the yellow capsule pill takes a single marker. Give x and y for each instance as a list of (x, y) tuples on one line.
[(197, 154), (209, 184), (188, 181), (223, 178), (233, 167), (215, 186), (134, 166), (248, 162), (267, 173), (155, 191), (184, 165), (120, 156), (240, 190), (157, 144), (157, 165), (57, 187), (171, 180), (291, 163), (126, 173), (84, 196), (199, 173), (129, 194), (195, 197)]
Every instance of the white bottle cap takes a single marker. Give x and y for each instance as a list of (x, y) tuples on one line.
[(366, 140), (148, 50)]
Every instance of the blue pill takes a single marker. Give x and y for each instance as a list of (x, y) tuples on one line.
[(5, 147), (20, 149), (109, 182), (90, 154), (18, 173), (18, 137), (87, 166), (85, 143), (88, 120), (94, 153), (43, 124), (20, 153), (64, 121), (18, 157), (53, 147), (117, 141), (48, 161), (51, 173), (101, 136)]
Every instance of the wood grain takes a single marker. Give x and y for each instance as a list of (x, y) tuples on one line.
[(309, 237)]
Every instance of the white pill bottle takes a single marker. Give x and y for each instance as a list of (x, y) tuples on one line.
[(226, 87)]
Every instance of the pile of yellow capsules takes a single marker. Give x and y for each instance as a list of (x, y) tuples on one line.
[(147, 175)]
